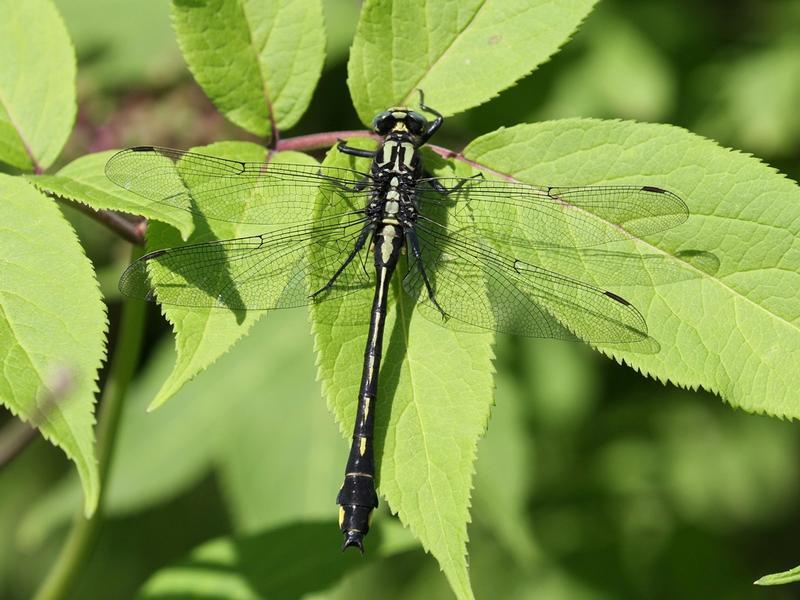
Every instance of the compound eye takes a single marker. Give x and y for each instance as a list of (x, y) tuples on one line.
[(416, 123), (383, 123)]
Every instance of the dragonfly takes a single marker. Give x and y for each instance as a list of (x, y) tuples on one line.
[(462, 238)]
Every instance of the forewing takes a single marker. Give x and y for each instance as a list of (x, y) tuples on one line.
[(235, 191), (254, 273), (474, 284), (522, 215)]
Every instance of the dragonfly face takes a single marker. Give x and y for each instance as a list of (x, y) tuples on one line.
[(399, 119)]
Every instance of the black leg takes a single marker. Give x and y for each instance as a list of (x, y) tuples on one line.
[(413, 245), (358, 186), (438, 187), (362, 239), (345, 149), (433, 127)]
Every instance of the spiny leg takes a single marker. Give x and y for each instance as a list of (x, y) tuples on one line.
[(413, 245), (445, 191), (359, 152), (358, 186), (362, 239), (433, 127)]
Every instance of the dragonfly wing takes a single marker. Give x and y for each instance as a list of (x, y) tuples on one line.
[(235, 191), (522, 215), (276, 270), (476, 285)]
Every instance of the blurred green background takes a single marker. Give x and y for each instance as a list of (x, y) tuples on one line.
[(592, 481)]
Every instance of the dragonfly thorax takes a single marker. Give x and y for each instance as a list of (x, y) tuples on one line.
[(398, 155)]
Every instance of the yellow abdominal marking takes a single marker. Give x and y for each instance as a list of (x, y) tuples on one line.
[(389, 233), (341, 516), (362, 446)]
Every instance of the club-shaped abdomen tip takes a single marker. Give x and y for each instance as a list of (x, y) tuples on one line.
[(354, 521), (353, 538)]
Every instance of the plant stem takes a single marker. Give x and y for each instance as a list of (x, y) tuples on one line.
[(130, 231), (79, 543), (134, 232), (317, 141)]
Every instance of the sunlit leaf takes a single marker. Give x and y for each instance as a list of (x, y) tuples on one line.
[(781, 578), (52, 327), (258, 61), (736, 331), (460, 53), (84, 180), (37, 84)]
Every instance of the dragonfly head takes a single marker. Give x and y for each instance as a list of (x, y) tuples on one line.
[(399, 119)]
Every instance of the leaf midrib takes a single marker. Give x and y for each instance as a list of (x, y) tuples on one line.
[(262, 75), (13, 121)]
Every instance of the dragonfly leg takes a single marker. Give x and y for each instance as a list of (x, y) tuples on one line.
[(413, 244), (360, 152), (445, 191), (362, 239), (358, 186), (433, 127)]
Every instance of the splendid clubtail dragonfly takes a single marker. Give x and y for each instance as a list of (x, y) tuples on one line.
[(457, 234)]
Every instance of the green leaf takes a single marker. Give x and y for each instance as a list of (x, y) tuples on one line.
[(433, 403), (203, 335), (286, 562), (736, 331), (258, 61), (460, 53), (37, 84), (52, 326), (781, 578), (84, 180)]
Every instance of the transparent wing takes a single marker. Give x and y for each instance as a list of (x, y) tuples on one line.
[(525, 215), (260, 272), (235, 191), (476, 285)]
